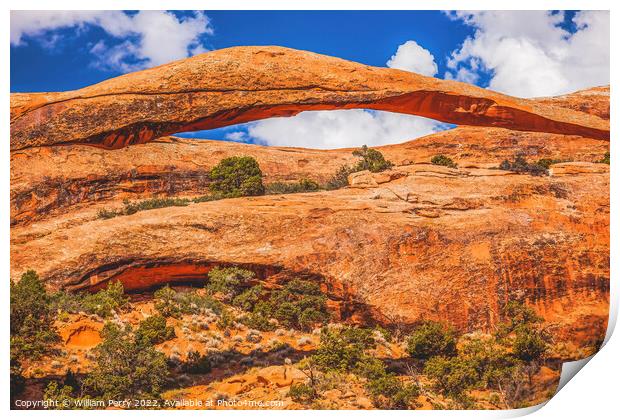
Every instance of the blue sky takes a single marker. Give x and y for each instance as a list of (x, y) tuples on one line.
[(513, 52)]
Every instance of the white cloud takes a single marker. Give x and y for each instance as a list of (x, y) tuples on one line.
[(528, 53), (410, 56), (144, 39), (236, 136), (341, 128)]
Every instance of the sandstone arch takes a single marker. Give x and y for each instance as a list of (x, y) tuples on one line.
[(243, 84)]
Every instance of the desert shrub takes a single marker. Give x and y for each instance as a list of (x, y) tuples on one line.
[(529, 344), (166, 303), (132, 207), (389, 392), (105, 301), (493, 363), (236, 176), (371, 160), (197, 363), (605, 158), (107, 213), (229, 282), (520, 165), (17, 381), (226, 320), (125, 366), (547, 162), (453, 376), (342, 350), (193, 303), (443, 160), (303, 185), (170, 303), (154, 330), (431, 339), (515, 315), (387, 334), (248, 299), (340, 179), (299, 304), (64, 302), (31, 319), (64, 394), (302, 393), (258, 321)]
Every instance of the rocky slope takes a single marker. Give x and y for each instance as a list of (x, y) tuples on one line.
[(242, 84)]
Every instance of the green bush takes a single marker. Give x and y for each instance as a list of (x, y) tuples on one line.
[(371, 160), (226, 320), (547, 162), (248, 299), (126, 367), (131, 207), (31, 318), (258, 321), (388, 392), (170, 303), (17, 381), (299, 304), (154, 330), (107, 213), (453, 376), (342, 350), (431, 339), (605, 158), (166, 302), (237, 177), (64, 395), (302, 393), (341, 178), (229, 281), (515, 315), (443, 160), (520, 165), (529, 344), (494, 364), (197, 363), (303, 185), (105, 301)]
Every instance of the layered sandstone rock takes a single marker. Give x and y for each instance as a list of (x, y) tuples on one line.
[(433, 243), (418, 241), (242, 84), (77, 176)]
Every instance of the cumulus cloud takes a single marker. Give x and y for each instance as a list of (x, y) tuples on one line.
[(529, 53), (340, 128), (410, 56), (138, 40)]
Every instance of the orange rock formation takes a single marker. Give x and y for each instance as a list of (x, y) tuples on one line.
[(237, 85), (419, 241)]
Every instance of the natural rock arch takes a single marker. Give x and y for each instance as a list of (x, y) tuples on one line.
[(243, 84)]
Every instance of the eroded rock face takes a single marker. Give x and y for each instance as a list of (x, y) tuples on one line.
[(242, 84), (434, 243), (77, 176)]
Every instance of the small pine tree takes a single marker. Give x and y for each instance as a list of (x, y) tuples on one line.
[(237, 176)]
